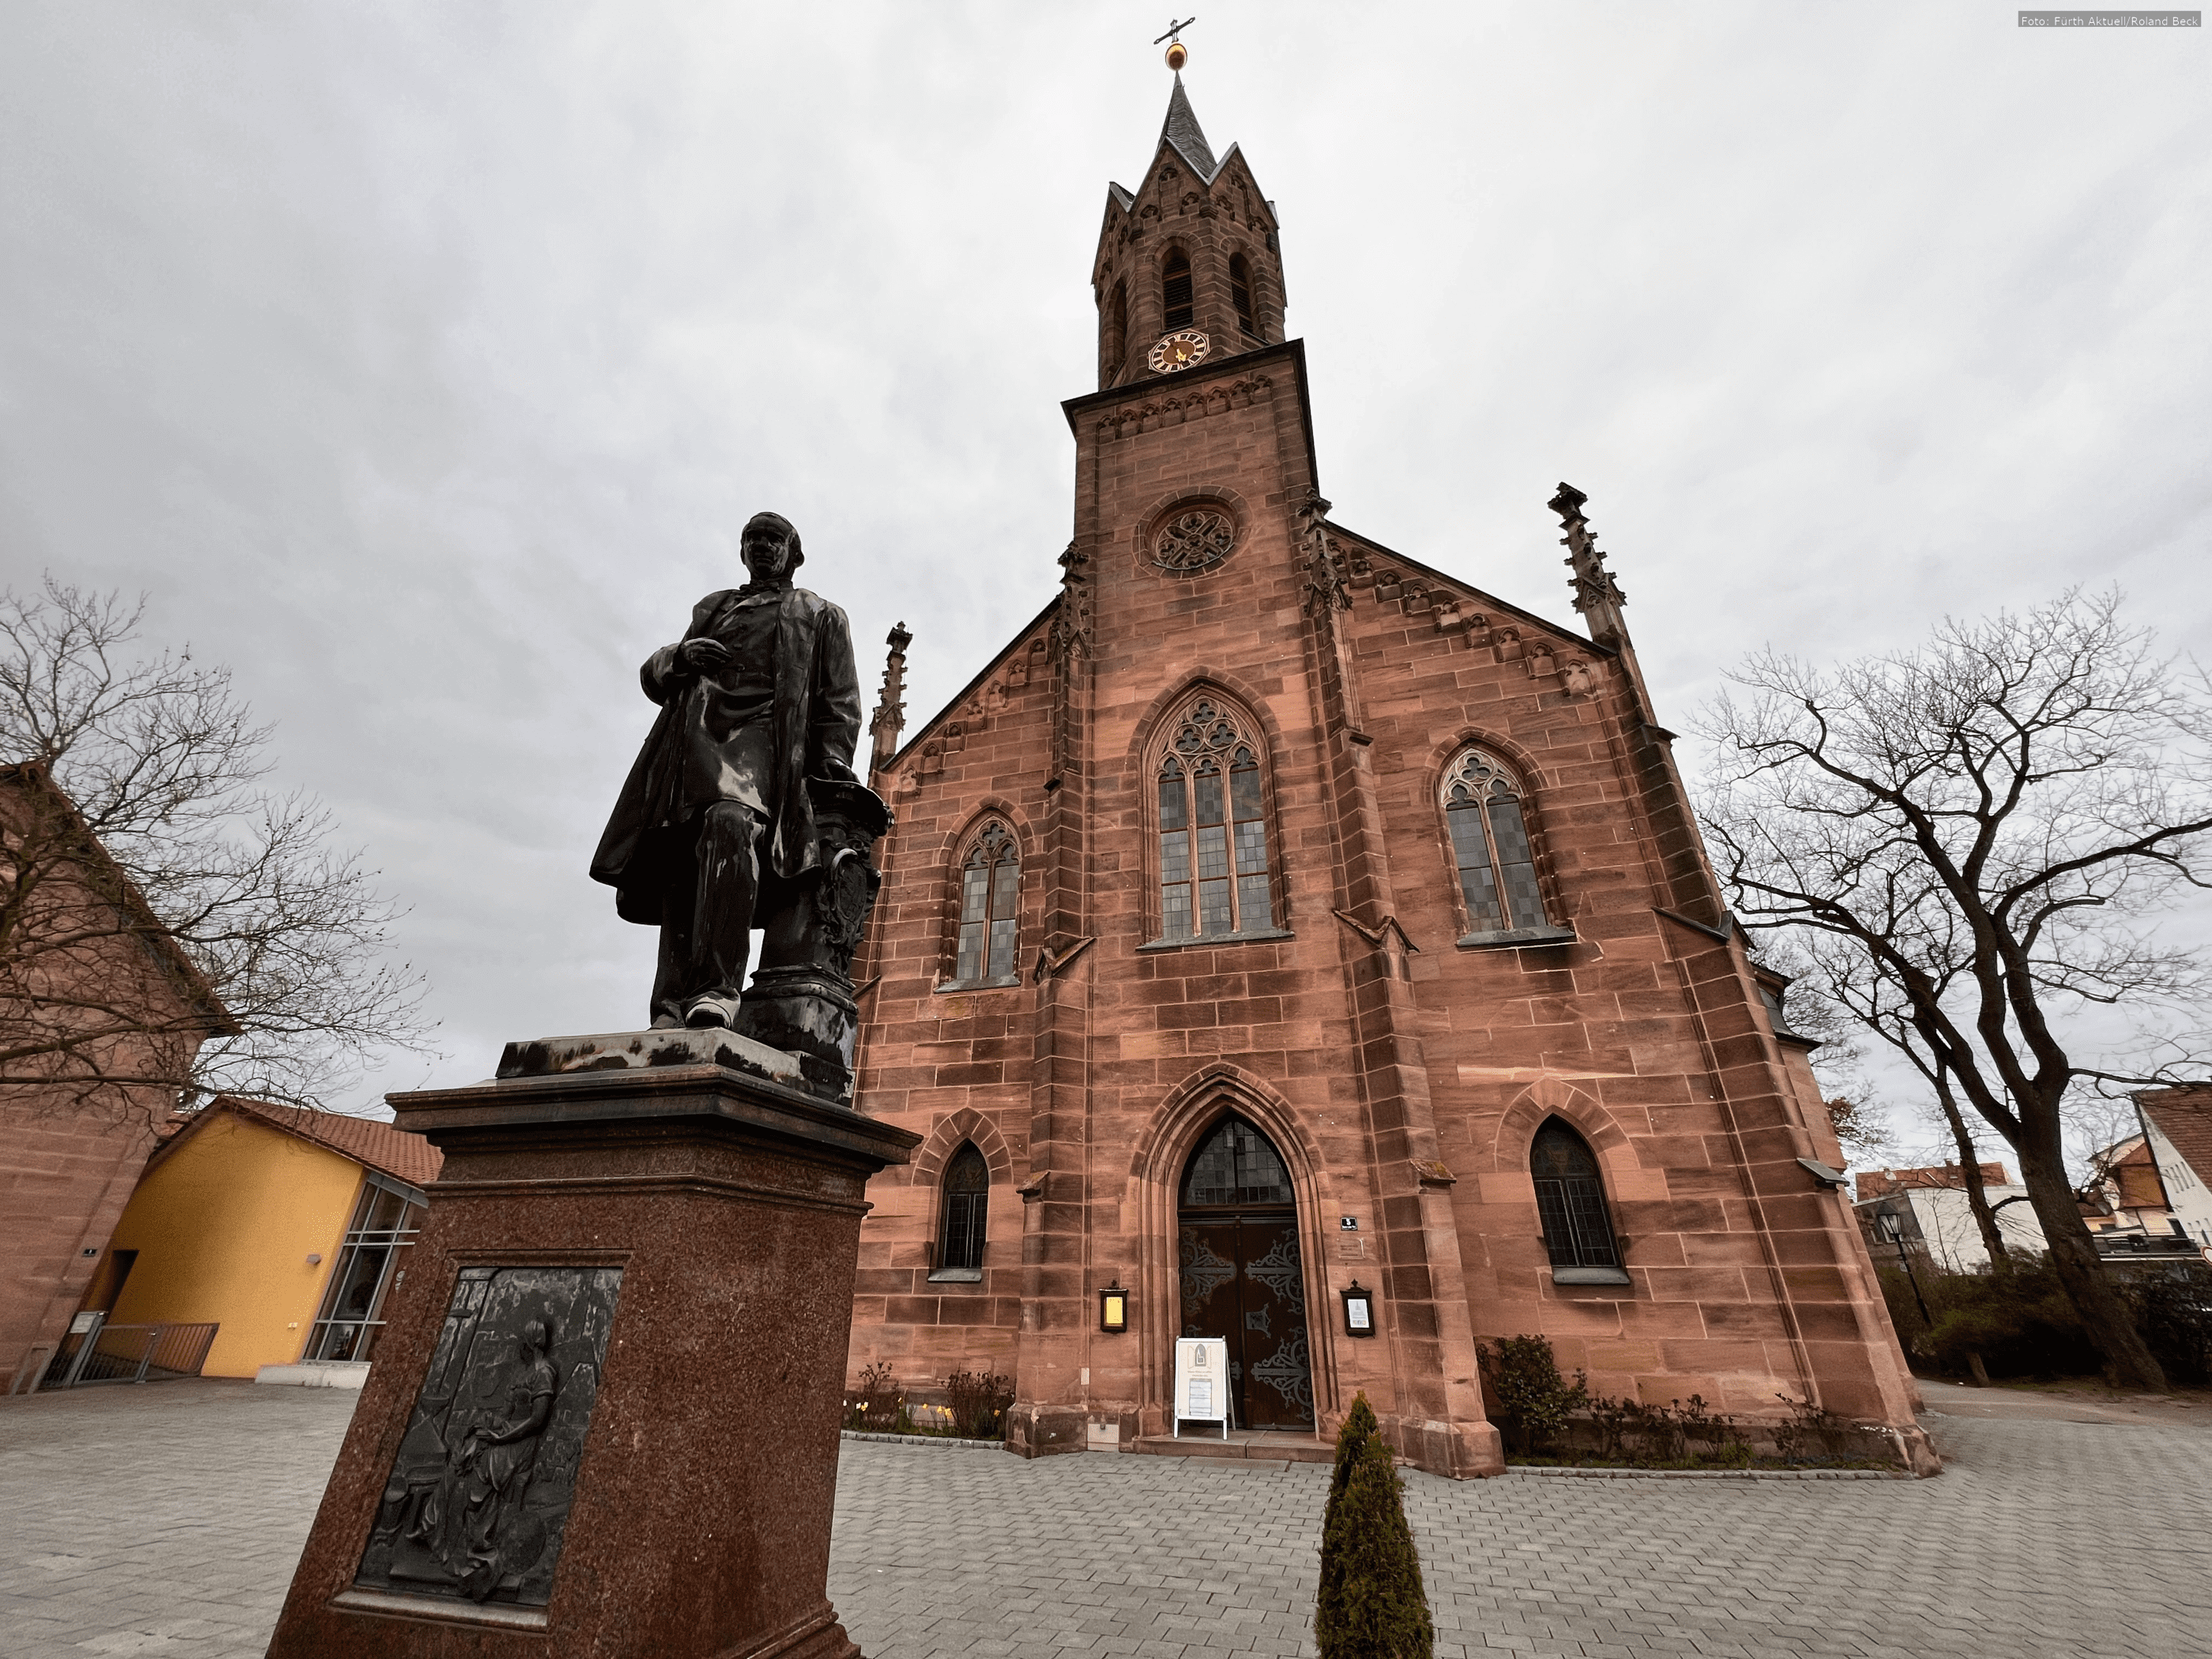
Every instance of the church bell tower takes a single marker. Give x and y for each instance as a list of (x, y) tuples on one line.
[(1189, 268)]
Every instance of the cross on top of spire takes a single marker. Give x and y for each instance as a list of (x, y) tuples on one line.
[(1178, 53)]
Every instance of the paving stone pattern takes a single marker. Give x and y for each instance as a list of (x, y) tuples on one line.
[(166, 1519)]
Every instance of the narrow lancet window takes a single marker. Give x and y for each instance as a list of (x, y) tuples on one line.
[(1570, 1202), (1114, 347), (967, 1198), (1214, 878)]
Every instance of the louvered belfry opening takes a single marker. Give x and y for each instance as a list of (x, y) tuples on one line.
[(1242, 1278), (967, 1198), (1175, 290), (1114, 335), (1240, 293)]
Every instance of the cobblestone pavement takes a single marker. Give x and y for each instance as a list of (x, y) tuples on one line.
[(165, 1520)]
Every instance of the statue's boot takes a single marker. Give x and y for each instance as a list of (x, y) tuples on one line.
[(721, 936), (710, 1011)]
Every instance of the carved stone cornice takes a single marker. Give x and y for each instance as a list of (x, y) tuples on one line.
[(1213, 397)]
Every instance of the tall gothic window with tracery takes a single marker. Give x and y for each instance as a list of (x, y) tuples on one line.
[(1213, 830), (990, 899), (1490, 844)]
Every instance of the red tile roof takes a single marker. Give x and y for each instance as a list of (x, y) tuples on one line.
[(381, 1146), (1874, 1183), (2183, 1116)]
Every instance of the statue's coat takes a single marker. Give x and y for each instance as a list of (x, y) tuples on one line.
[(816, 724)]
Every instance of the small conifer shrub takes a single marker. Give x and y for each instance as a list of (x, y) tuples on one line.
[(1372, 1605)]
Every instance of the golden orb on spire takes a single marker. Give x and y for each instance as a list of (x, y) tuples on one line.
[(1178, 55)]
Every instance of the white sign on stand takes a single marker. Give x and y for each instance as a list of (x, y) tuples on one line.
[(1201, 1381)]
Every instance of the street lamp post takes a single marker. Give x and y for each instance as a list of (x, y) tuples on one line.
[(1892, 1227)]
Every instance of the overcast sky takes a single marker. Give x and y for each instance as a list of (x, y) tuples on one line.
[(421, 360)]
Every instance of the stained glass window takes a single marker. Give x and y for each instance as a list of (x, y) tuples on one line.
[(1214, 880), (990, 900), (1490, 845), (1236, 1164)]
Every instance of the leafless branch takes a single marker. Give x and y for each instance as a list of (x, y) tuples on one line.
[(168, 925)]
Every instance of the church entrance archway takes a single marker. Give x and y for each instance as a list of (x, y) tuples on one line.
[(1242, 1279)]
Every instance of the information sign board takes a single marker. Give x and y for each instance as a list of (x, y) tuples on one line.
[(1201, 1381)]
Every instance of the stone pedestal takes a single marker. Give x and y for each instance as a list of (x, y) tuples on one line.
[(603, 1419)]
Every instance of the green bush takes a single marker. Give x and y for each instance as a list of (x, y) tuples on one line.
[(1371, 1605), (977, 1402), (2173, 1308), (2019, 1323), (876, 1402), (1527, 1399)]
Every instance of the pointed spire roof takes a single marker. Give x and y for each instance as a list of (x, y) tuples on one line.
[(1182, 130)]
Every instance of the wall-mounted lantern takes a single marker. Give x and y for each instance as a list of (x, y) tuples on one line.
[(1358, 1311), (1114, 1308)]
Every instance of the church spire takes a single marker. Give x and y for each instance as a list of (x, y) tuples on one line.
[(1182, 130)]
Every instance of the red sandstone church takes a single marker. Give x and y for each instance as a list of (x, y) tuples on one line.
[(1278, 914)]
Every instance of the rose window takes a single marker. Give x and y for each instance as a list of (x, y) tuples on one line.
[(1194, 541)]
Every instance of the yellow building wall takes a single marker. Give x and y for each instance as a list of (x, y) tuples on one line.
[(224, 1227)]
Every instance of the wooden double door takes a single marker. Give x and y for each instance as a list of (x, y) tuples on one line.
[(1242, 1278)]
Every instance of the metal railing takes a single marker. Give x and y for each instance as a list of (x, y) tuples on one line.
[(128, 1354)]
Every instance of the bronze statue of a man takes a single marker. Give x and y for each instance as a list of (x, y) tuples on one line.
[(714, 824)]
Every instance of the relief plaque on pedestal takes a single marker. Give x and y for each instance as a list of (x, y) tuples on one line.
[(478, 1497)]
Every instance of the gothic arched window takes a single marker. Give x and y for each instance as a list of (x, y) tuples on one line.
[(1570, 1202), (1175, 289), (990, 897), (967, 1196), (1235, 1165), (1240, 292), (1489, 828), (1214, 880)]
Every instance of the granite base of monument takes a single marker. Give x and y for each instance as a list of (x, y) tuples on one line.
[(603, 1416)]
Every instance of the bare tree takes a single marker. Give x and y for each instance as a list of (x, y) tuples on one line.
[(1831, 984), (1975, 839), (1859, 1129), (168, 928)]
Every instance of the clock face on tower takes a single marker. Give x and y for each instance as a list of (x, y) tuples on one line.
[(1181, 350)]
